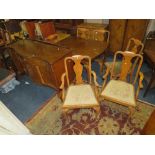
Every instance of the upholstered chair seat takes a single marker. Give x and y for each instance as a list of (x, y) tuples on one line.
[(120, 91), (80, 96)]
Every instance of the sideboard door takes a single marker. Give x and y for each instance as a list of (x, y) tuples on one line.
[(135, 28)]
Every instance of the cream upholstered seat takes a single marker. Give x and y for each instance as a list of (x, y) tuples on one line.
[(120, 91), (80, 96)]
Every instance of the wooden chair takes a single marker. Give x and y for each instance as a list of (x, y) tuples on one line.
[(101, 35), (135, 46), (83, 33), (79, 94), (119, 89)]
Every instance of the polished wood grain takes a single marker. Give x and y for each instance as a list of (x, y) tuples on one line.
[(39, 70), (117, 30), (83, 33), (67, 25), (93, 26), (135, 28), (48, 52), (40, 61), (92, 31), (149, 128), (79, 46), (18, 61), (121, 30)]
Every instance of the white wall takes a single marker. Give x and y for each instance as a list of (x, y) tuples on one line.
[(101, 21), (151, 26)]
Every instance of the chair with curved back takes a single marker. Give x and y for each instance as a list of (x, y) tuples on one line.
[(120, 89), (83, 33), (135, 46), (79, 94), (101, 35)]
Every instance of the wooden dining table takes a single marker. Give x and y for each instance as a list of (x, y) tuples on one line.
[(78, 46)]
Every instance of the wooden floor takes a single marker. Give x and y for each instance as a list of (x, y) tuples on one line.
[(149, 128)]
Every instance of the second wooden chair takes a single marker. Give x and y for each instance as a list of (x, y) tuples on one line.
[(119, 89), (135, 46)]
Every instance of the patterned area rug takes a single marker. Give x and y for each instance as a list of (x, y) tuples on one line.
[(113, 119)]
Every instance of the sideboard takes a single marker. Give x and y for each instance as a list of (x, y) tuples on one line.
[(43, 62)]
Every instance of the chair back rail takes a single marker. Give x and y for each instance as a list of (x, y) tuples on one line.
[(78, 68), (101, 35), (135, 46), (83, 33), (128, 59)]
